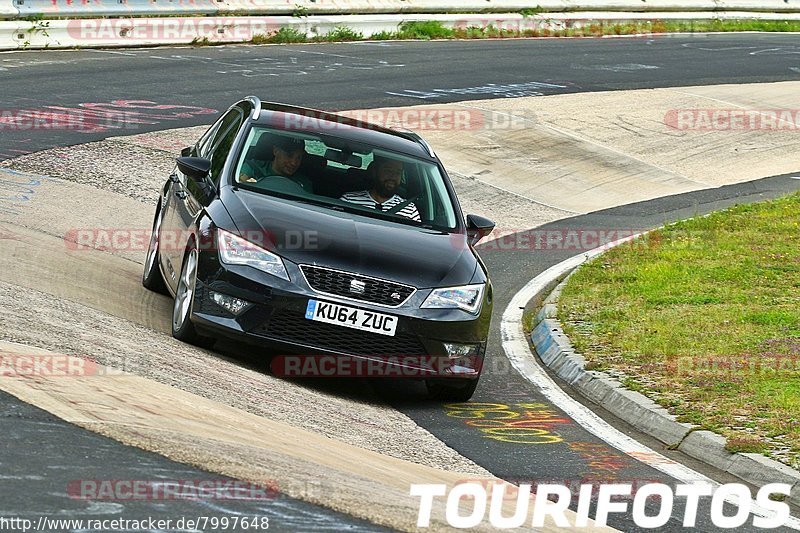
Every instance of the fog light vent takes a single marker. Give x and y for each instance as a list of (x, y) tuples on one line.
[(464, 358), (235, 305), (457, 351)]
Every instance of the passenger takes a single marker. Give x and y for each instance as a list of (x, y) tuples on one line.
[(287, 156), (384, 175)]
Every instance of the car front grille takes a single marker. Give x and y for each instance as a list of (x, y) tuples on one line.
[(356, 286), (294, 328)]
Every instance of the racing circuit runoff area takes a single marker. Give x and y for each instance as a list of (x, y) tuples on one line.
[(548, 151)]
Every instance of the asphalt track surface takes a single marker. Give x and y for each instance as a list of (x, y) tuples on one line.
[(44, 460), (363, 75)]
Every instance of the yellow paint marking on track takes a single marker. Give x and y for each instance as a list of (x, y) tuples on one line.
[(195, 430)]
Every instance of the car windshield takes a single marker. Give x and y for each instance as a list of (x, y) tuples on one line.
[(338, 174)]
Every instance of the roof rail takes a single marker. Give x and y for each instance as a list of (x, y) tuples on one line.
[(256, 106), (399, 132)]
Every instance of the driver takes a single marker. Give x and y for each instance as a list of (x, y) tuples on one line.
[(385, 175), (287, 156)]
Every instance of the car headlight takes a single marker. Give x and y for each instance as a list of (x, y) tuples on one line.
[(234, 250), (468, 298)]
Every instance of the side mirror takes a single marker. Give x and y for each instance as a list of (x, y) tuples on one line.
[(478, 228), (197, 168)]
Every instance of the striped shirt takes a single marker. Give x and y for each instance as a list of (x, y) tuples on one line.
[(364, 198)]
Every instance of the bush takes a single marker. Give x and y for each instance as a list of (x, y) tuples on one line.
[(471, 32), (284, 35), (342, 33), (385, 36), (431, 29)]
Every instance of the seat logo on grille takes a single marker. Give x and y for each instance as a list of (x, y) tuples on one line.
[(396, 295), (357, 287)]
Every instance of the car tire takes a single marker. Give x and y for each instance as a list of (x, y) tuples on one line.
[(182, 327), (151, 276), (451, 389)]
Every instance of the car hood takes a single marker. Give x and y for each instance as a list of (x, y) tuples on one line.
[(315, 235)]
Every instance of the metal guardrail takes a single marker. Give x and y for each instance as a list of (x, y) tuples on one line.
[(302, 8), (113, 8), (121, 32)]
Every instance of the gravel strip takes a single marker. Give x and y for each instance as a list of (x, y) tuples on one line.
[(39, 319), (119, 167)]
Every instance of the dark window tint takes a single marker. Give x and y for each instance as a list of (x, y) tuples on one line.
[(223, 140), (203, 146)]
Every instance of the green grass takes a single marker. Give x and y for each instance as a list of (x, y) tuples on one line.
[(340, 34), (436, 30), (528, 317), (751, 25), (283, 35), (425, 30), (704, 316), (428, 30)]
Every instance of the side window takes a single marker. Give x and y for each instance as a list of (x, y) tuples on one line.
[(223, 140), (203, 146)]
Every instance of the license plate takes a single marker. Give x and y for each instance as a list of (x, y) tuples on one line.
[(351, 317)]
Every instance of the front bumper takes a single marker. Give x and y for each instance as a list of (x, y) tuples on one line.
[(276, 320)]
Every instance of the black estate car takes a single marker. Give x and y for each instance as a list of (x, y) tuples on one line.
[(319, 236)]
